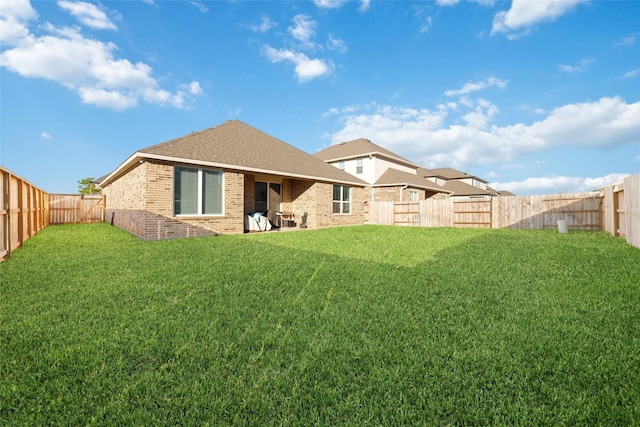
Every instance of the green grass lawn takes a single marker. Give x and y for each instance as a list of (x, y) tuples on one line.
[(365, 325)]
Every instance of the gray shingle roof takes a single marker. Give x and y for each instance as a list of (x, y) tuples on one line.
[(460, 188), (236, 145), (394, 177), (448, 173), (358, 148)]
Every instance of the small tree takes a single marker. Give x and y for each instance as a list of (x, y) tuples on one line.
[(87, 186)]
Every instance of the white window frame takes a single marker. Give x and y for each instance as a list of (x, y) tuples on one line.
[(359, 165), (342, 203), (414, 195), (199, 192)]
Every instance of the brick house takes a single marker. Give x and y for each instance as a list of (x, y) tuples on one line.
[(390, 176), (208, 182)]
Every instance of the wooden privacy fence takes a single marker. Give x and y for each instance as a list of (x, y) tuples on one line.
[(76, 208), (23, 211), (615, 208), (581, 211), (621, 209)]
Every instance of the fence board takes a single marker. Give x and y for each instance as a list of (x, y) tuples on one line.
[(436, 213), (632, 209), (23, 211), (406, 213), (76, 208), (472, 213), (381, 213)]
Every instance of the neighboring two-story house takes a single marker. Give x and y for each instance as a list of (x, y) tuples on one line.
[(460, 184), (391, 177)]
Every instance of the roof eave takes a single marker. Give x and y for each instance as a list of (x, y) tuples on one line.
[(424, 187), (373, 154), (140, 156)]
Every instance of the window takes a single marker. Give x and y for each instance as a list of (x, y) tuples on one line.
[(197, 191), (359, 165), (341, 164), (341, 199), (413, 195)]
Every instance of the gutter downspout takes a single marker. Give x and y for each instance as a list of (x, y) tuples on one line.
[(404, 187)]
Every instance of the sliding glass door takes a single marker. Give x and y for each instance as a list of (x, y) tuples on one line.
[(268, 199)]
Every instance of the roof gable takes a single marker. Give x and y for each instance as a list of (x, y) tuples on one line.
[(449, 173), (395, 177), (359, 148), (459, 188)]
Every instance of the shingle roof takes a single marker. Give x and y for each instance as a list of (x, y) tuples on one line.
[(394, 177), (460, 188), (358, 148), (236, 145), (448, 173)]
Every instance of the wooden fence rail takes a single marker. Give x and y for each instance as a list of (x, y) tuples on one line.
[(24, 211)]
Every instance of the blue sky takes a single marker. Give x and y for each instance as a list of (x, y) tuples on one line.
[(536, 97)]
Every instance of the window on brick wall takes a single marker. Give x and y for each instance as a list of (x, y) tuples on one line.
[(413, 195), (341, 199), (197, 191)]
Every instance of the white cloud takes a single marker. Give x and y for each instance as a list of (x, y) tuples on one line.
[(525, 14), (14, 17), (477, 86), (578, 68), (421, 12), (86, 66), (426, 25), (46, 135), (329, 4), (303, 30), (558, 184), (265, 25), (364, 5), (631, 74), (336, 44), (200, 6), (88, 14), (336, 4), (194, 88), (306, 68), (437, 139), (454, 2), (625, 41)]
